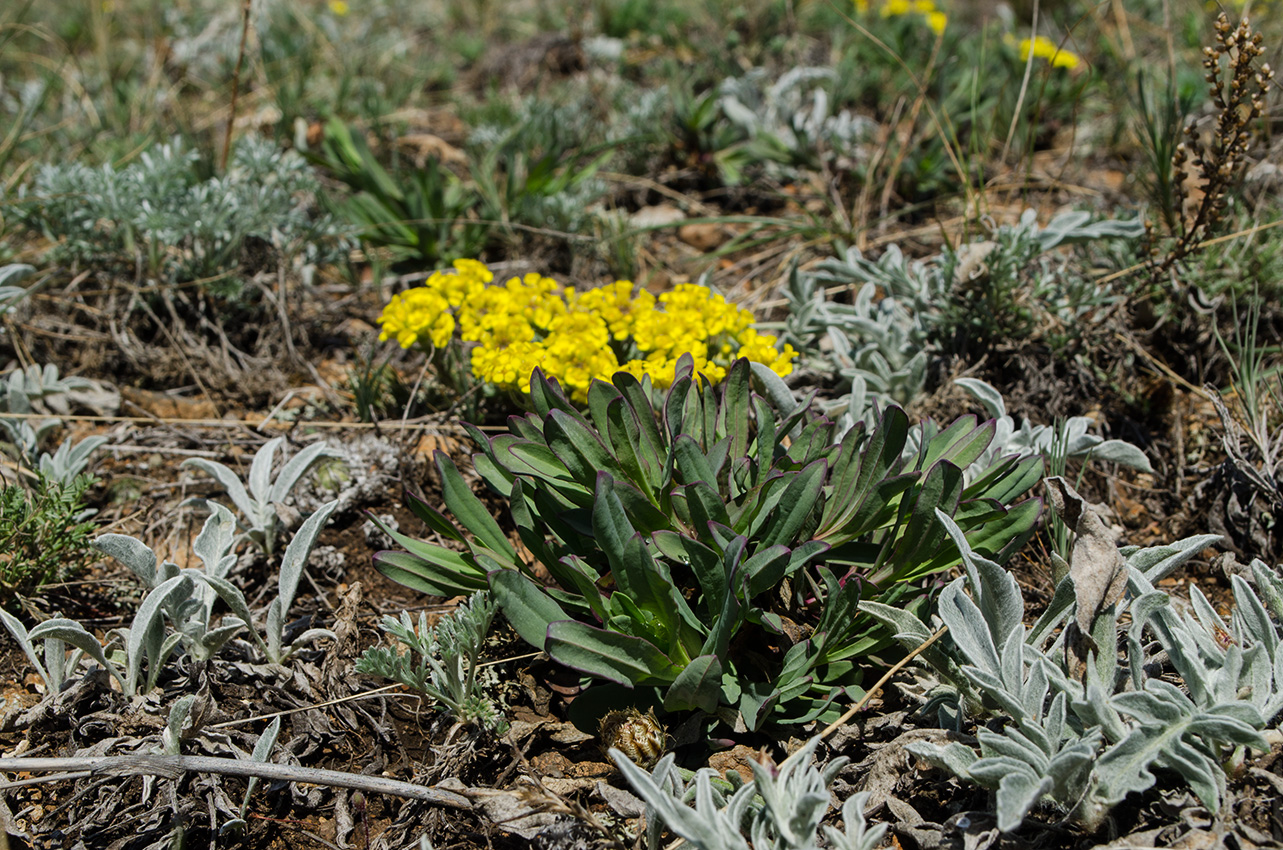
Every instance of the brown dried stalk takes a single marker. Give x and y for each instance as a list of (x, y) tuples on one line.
[(1238, 92)]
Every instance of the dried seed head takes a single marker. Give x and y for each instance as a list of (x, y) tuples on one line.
[(639, 736)]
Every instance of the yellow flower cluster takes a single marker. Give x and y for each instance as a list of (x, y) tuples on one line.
[(577, 337), (1045, 49), (926, 9)]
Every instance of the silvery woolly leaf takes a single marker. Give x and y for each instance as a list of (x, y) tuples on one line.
[(235, 599), (295, 559), (260, 471), (909, 631), (71, 632), (262, 749), (171, 736), (1251, 620), (19, 632), (147, 631), (1156, 562), (1018, 792), (1269, 585), (295, 468), (214, 543), (313, 635), (856, 835), (705, 826), (1019, 787), (995, 591), (209, 642), (1122, 453), (1172, 733), (131, 552), (953, 757), (230, 482), (968, 629), (795, 797), (986, 394)]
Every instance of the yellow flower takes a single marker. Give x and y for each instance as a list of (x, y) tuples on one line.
[(539, 298), (1046, 49), (455, 288), (925, 9), (534, 321), (577, 357), (663, 370), (510, 367), (474, 269), (617, 305), (338, 7), (760, 348), (417, 314)]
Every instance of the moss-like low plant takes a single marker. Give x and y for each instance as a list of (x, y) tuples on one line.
[(712, 546), (44, 533)]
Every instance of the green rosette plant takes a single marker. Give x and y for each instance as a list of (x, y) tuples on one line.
[(710, 544)]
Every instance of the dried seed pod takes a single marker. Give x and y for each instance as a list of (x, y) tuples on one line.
[(639, 736)]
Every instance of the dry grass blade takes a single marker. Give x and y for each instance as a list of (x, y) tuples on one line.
[(173, 767)]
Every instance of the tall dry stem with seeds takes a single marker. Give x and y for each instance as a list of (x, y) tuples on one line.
[(1237, 90)]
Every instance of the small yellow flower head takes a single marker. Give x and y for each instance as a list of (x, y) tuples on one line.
[(663, 370), (537, 297), (924, 9), (617, 305), (510, 367), (1046, 49), (338, 7), (417, 314), (474, 269), (455, 288), (585, 330), (760, 348), (578, 355)]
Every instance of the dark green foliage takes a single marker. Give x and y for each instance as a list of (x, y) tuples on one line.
[(420, 215), (712, 546)]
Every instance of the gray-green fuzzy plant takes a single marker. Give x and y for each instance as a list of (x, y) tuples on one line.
[(10, 293), (233, 828), (1068, 440), (257, 502), (790, 122), (1084, 728), (157, 219), (39, 389), (57, 665), (904, 311), (183, 599), (780, 809), (442, 660), (881, 341)]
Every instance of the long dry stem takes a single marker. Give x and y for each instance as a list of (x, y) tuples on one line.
[(236, 87)]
